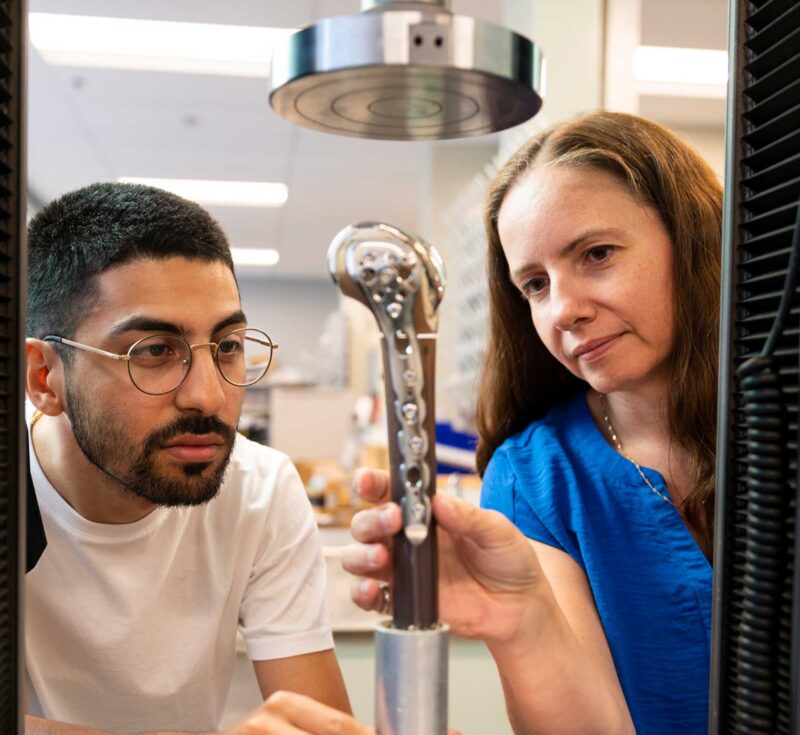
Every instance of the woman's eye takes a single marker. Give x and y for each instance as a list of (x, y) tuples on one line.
[(534, 286), (599, 253)]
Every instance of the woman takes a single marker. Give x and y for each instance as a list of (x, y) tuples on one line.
[(597, 425)]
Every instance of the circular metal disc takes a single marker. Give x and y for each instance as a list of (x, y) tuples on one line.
[(400, 75)]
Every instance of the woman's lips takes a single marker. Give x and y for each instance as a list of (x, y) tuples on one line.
[(598, 351)]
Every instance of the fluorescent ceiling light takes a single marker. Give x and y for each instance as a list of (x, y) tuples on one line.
[(255, 256), (225, 193), (154, 45), (689, 72)]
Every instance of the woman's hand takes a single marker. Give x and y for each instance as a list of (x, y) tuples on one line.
[(489, 576)]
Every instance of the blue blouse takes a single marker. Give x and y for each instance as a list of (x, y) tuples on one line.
[(562, 484)]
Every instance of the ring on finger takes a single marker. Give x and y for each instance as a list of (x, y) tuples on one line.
[(386, 599)]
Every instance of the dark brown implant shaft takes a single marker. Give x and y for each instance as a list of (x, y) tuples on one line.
[(415, 592)]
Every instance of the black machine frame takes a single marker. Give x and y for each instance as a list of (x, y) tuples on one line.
[(755, 629), (13, 22)]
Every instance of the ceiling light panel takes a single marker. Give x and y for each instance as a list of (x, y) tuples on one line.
[(223, 193), (681, 71), (255, 256), (154, 45)]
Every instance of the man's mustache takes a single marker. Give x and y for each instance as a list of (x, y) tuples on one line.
[(189, 425)]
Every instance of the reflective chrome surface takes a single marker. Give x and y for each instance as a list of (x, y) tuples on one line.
[(411, 681), (406, 71), (401, 279)]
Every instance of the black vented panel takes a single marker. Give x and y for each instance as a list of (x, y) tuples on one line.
[(12, 258), (752, 679)]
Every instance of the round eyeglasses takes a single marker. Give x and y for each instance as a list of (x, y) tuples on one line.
[(159, 363)]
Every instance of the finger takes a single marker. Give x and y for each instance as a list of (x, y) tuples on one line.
[(367, 594), (372, 485), (262, 722), (312, 716), (486, 528), (371, 560), (376, 524)]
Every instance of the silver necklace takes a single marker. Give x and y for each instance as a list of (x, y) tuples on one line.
[(618, 444)]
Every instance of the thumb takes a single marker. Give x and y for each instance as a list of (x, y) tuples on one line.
[(487, 529)]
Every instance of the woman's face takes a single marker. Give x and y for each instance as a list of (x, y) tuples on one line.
[(595, 266)]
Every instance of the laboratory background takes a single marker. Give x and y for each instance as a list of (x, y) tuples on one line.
[(179, 112)]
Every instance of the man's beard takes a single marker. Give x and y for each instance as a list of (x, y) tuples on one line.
[(101, 438)]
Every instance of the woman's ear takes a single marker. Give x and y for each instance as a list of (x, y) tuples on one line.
[(44, 376)]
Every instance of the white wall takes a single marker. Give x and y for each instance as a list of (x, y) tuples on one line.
[(292, 312), (708, 142)]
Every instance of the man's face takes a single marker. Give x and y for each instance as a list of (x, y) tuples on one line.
[(170, 449)]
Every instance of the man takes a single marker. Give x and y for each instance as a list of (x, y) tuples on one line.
[(165, 529)]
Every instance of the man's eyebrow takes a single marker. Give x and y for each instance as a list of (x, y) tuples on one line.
[(141, 323), (238, 317), (569, 248)]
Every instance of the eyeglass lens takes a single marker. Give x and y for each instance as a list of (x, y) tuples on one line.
[(158, 364)]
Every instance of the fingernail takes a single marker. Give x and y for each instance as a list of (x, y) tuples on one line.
[(386, 516), (363, 587), (372, 557), (445, 498)]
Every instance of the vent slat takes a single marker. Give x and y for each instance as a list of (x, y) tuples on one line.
[(762, 314), (772, 34), (772, 154), (773, 81), (774, 256), (786, 192), (777, 54), (770, 240), (768, 12), (761, 337), (772, 220), (775, 104), (762, 300), (775, 129), (787, 168)]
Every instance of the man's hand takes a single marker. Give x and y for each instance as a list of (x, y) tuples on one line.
[(286, 713), (488, 573)]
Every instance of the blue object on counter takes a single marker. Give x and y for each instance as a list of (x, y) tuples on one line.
[(455, 450)]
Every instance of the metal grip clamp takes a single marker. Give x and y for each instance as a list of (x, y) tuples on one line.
[(401, 279)]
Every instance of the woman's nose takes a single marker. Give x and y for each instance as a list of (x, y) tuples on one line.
[(570, 304)]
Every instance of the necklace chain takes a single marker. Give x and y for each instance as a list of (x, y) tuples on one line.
[(615, 439)]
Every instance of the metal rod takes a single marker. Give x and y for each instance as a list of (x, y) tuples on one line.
[(416, 574), (404, 4)]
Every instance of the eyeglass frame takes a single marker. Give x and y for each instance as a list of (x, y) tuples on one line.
[(126, 357)]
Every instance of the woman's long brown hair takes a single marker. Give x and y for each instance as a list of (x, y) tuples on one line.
[(521, 380)]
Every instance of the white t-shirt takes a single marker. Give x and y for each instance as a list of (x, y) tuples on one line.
[(132, 627)]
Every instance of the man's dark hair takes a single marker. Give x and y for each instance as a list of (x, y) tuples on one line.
[(84, 233)]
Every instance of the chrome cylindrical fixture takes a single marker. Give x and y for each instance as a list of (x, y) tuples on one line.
[(404, 4), (406, 71), (416, 702)]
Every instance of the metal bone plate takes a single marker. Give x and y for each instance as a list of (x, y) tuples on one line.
[(401, 279)]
